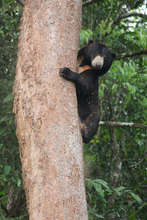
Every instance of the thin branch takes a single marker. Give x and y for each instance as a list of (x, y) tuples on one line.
[(137, 53), (21, 2), (122, 124), (123, 16), (88, 2), (127, 15)]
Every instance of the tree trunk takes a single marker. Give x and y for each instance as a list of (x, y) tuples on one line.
[(46, 111)]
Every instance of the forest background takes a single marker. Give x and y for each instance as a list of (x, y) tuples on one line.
[(115, 159)]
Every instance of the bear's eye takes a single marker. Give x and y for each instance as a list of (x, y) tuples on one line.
[(97, 62)]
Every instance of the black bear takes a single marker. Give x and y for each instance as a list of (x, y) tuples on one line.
[(93, 61)]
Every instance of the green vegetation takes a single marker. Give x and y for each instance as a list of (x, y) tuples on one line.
[(115, 171)]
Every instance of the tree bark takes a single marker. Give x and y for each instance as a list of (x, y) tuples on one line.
[(46, 111)]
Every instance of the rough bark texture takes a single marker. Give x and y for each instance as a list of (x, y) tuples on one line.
[(46, 111)]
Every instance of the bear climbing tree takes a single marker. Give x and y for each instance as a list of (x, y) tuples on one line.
[(93, 60)]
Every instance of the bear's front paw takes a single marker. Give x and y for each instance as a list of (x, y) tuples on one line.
[(64, 72)]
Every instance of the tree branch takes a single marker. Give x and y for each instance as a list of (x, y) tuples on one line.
[(21, 2), (137, 53), (122, 124), (127, 15), (123, 16), (88, 2)]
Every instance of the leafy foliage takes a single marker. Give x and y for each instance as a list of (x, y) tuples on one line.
[(99, 192), (118, 155), (10, 175)]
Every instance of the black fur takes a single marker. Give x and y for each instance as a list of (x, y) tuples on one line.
[(86, 83)]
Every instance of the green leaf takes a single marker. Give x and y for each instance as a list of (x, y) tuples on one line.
[(99, 216), (119, 190), (103, 183), (136, 197), (114, 88), (7, 169), (19, 182), (8, 98), (5, 118)]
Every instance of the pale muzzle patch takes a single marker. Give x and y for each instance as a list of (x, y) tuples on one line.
[(98, 62)]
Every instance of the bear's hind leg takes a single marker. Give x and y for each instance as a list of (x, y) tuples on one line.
[(89, 127)]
